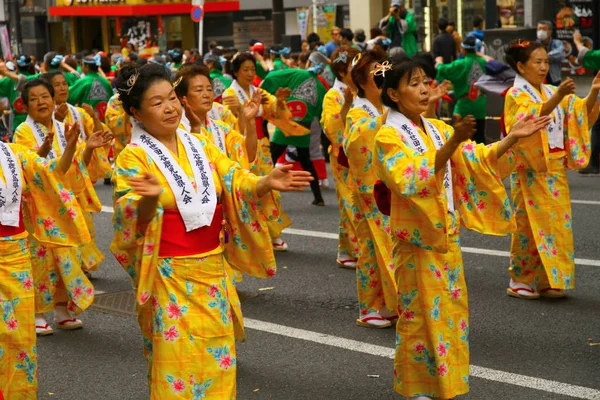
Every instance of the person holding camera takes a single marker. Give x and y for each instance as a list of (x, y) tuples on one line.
[(400, 27)]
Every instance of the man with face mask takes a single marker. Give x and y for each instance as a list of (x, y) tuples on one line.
[(555, 48)]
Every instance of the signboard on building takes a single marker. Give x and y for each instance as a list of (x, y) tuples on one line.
[(571, 17)]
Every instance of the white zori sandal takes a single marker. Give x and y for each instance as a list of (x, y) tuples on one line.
[(522, 291)]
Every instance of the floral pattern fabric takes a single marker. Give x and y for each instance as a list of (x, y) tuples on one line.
[(375, 282), (277, 219), (432, 352), (333, 126), (542, 249), (190, 356)]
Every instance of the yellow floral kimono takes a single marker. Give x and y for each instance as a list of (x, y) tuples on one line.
[(375, 283), (432, 333), (221, 112), (333, 126), (102, 169), (61, 266), (542, 249), (263, 163), (43, 194), (184, 303), (117, 121), (233, 143)]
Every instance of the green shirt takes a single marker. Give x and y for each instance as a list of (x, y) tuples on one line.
[(8, 89), (278, 65), (219, 83), (463, 74), (591, 59), (409, 38), (305, 102), (260, 71), (92, 89)]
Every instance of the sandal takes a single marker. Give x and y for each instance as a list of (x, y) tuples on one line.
[(347, 264), (379, 321), (522, 291), (553, 293), (279, 245), (70, 324), (43, 330)]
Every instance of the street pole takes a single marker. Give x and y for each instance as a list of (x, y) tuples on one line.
[(14, 9), (200, 27), (278, 21)]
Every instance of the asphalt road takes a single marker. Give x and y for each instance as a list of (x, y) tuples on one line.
[(303, 342)]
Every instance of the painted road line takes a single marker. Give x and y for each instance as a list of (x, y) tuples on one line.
[(589, 202), (509, 378), (471, 250)]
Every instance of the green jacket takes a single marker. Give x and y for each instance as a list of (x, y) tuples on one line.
[(305, 102), (463, 74), (9, 90), (278, 64), (591, 59), (92, 89), (409, 37), (219, 83)]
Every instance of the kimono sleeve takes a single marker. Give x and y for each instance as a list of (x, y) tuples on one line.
[(419, 209), (54, 212), (577, 140), (99, 166), (358, 146), (24, 137), (77, 91), (479, 194), (134, 249), (229, 118), (281, 116), (533, 149), (118, 122), (331, 121), (249, 249), (235, 143)]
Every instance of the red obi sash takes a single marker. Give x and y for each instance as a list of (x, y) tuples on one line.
[(176, 242), (383, 198), (260, 133), (6, 231)]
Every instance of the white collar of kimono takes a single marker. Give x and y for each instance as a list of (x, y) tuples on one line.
[(339, 86), (196, 206), (366, 105), (40, 132), (11, 190), (212, 127), (214, 112), (555, 128), (410, 136), (243, 97), (76, 116)]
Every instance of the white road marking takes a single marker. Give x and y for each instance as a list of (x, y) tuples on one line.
[(530, 382), (589, 202), (472, 250)]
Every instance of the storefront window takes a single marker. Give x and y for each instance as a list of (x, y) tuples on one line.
[(173, 32)]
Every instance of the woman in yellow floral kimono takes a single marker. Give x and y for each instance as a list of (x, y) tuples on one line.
[(438, 180), (60, 283), (195, 91), (28, 182), (336, 104), (542, 259), (276, 112), (181, 206), (99, 167), (118, 122), (375, 283)]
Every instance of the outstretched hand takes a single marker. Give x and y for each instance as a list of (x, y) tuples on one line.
[(284, 179), (146, 185), (282, 94), (72, 133), (99, 139), (60, 112), (195, 122), (529, 125), (252, 107), (348, 96), (437, 91), (464, 128)]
